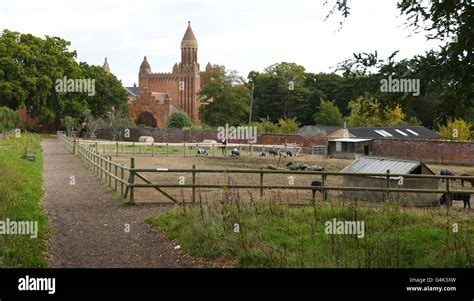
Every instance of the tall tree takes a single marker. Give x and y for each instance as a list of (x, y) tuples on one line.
[(225, 99), (328, 114)]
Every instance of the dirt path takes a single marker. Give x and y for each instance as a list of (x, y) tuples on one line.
[(88, 227)]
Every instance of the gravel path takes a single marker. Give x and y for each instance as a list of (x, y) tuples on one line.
[(88, 227)]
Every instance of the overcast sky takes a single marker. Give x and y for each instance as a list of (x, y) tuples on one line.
[(243, 35)]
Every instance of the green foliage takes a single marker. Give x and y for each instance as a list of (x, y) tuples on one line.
[(225, 99), (446, 75), (109, 92), (266, 126), (91, 124), (284, 126), (116, 120), (288, 125), (179, 120), (9, 119), (457, 129), (328, 114), (30, 68), (281, 91), (276, 235), (70, 123), (369, 113), (21, 192)]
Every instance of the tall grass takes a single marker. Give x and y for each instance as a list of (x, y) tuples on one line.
[(274, 234), (20, 197)]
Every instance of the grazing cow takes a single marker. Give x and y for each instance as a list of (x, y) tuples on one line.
[(317, 187), (263, 154), (235, 152), (289, 154), (272, 153), (470, 181), (201, 152), (459, 196)]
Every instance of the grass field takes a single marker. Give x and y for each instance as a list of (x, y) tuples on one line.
[(272, 234), (20, 198)]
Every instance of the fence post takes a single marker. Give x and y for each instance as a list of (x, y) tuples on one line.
[(117, 152), (323, 183), (132, 180), (153, 149), (96, 150), (167, 149), (388, 185), (184, 148), (74, 147), (133, 147), (194, 184), (115, 173), (213, 153), (110, 171), (261, 182), (448, 196), (121, 177), (251, 149)]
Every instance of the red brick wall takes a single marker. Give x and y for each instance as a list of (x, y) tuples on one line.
[(435, 151), (177, 136)]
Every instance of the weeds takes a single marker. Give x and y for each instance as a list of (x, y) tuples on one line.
[(273, 234)]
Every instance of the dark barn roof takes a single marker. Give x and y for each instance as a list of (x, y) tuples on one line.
[(384, 132), (395, 132)]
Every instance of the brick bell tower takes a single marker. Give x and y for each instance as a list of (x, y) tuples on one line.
[(190, 81)]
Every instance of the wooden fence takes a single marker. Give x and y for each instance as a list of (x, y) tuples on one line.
[(184, 149), (115, 174)]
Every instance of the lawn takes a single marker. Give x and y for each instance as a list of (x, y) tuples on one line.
[(272, 234), (20, 200)]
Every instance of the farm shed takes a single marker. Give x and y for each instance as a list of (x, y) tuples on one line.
[(348, 148), (380, 165)]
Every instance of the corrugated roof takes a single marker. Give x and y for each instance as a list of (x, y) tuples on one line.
[(381, 165)]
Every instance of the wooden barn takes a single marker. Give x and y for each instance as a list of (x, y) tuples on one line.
[(380, 165)]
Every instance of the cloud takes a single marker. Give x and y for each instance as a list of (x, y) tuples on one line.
[(243, 35)]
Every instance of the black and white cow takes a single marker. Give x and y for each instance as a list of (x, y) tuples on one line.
[(201, 152)]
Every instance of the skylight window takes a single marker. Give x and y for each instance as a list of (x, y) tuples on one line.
[(413, 132), (401, 132), (386, 133), (380, 133)]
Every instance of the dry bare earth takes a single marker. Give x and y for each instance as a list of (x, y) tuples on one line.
[(219, 162), (88, 226)]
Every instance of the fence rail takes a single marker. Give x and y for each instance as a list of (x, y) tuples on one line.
[(109, 171), (185, 148)]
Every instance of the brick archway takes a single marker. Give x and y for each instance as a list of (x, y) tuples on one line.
[(146, 118)]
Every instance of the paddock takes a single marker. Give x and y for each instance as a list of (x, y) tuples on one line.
[(176, 169)]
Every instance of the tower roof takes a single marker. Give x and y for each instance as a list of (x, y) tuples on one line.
[(189, 40), (145, 65)]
